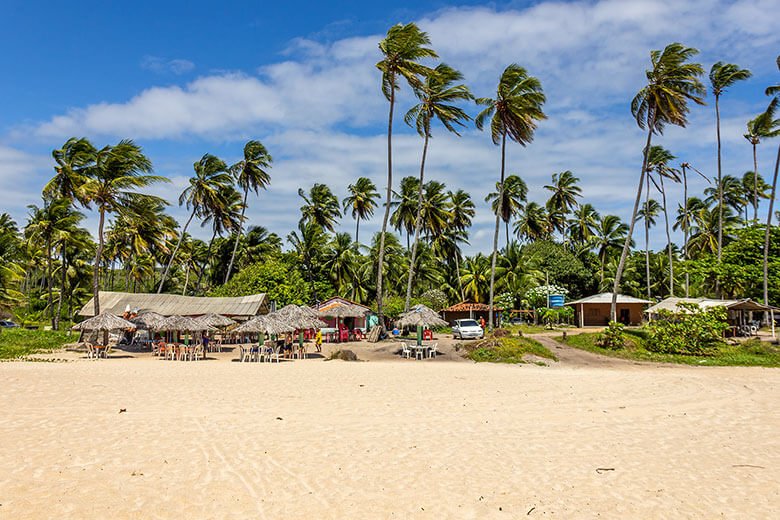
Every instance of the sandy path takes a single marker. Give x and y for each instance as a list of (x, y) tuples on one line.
[(402, 439)]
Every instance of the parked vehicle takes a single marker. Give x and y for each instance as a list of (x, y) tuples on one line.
[(467, 329), (8, 324)]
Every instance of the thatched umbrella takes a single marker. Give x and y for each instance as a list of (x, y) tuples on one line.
[(148, 320), (105, 322), (268, 324), (342, 310), (183, 324), (215, 320), (420, 316)]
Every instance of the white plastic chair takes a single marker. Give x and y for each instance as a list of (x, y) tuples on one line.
[(90, 350), (406, 351), (433, 350), (419, 352), (274, 354)]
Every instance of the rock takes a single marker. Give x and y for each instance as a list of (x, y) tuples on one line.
[(344, 355)]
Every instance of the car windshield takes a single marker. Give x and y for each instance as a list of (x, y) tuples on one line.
[(468, 323)]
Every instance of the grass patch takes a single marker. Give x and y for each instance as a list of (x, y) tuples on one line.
[(507, 350), (16, 343), (749, 353), (526, 329)]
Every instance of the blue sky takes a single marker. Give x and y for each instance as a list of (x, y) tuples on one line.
[(186, 78)]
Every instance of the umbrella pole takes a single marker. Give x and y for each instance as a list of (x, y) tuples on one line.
[(419, 335)]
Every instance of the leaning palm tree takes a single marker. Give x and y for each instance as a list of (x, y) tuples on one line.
[(72, 160), (763, 126), (210, 177), (564, 197), (672, 82), (361, 201), (774, 90), (687, 215), (225, 214), (722, 76), (658, 162), (402, 48), (515, 194), (437, 96), (251, 173), (111, 183), (514, 112)]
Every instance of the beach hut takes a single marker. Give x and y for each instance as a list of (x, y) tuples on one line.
[(420, 317), (239, 308), (342, 316), (741, 315), (594, 311), (105, 323)]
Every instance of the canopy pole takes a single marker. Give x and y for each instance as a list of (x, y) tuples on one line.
[(772, 317)]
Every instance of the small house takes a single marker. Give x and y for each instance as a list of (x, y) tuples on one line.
[(469, 310), (595, 311)]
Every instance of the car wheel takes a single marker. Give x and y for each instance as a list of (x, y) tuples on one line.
[(461, 336)]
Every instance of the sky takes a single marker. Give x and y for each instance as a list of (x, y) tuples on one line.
[(187, 78)]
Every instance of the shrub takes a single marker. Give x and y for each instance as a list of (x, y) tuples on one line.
[(612, 337), (552, 317), (690, 330)]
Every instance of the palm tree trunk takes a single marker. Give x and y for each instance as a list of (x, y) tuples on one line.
[(506, 228), (627, 243), (381, 259), (495, 234), (96, 266), (685, 228), (720, 184), (755, 184), (767, 232), (63, 273), (238, 237), (647, 237), (175, 250), (49, 281), (206, 262), (417, 224), (186, 280), (357, 229), (668, 240), (457, 273)]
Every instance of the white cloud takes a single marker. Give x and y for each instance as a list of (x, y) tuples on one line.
[(160, 65)]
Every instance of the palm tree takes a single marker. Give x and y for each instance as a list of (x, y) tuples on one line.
[(672, 82), (658, 162), (563, 199), (321, 206), (41, 229), (722, 76), (210, 177), (753, 182), (309, 242), (461, 214), (405, 204), (533, 223), (437, 95), (774, 90), (648, 214), (70, 173), (226, 215), (402, 49), (475, 278), (763, 126), (340, 261), (250, 174), (111, 183), (362, 201), (514, 112), (582, 226), (687, 216), (609, 235), (515, 195)]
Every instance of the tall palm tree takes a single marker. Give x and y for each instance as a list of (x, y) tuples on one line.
[(403, 47), (722, 76), (210, 177), (564, 197), (609, 235), (648, 213), (773, 90), (763, 126), (515, 194), (514, 112), (533, 223), (251, 173), (111, 183), (658, 162), (225, 214), (405, 204), (320, 207), (461, 214), (361, 201), (672, 82), (755, 184), (437, 96), (70, 172), (582, 226), (687, 215)]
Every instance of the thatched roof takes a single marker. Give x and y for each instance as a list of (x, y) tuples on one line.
[(471, 306), (175, 304), (421, 316), (215, 320), (342, 310), (184, 324), (268, 324), (300, 317), (148, 320), (104, 321)]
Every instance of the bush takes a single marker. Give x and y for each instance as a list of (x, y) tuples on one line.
[(552, 317), (689, 331), (612, 337)]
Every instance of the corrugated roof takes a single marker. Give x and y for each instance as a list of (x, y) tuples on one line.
[(470, 306), (170, 304), (607, 298), (670, 304)]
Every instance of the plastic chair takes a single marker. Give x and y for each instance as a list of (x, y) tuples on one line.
[(406, 351), (433, 351)]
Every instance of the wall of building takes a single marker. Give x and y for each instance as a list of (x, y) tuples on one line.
[(597, 314)]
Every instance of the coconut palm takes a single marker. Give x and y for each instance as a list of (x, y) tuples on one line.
[(658, 163), (308, 242), (771, 91), (361, 201), (515, 194), (321, 206), (203, 192), (437, 96), (447, 244), (70, 172), (608, 237), (722, 76), (475, 277), (582, 225), (340, 261), (563, 200), (687, 215), (225, 213), (533, 223), (402, 49), (648, 214), (763, 126), (405, 204), (514, 112), (755, 184), (672, 82), (251, 173)]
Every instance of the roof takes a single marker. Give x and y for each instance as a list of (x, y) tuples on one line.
[(744, 304), (607, 298), (339, 300), (470, 306), (170, 304)]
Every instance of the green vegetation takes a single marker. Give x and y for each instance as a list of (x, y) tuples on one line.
[(749, 353), (613, 336), (16, 343), (508, 349), (689, 330)]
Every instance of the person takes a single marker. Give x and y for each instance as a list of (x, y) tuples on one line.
[(205, 342), (288, 343), (396, 332), (482, 321), (318, 340)]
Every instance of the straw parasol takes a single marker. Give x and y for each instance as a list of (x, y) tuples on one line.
[(215, 320), (148, 320), (183, 324), (342, 310), (104, 322), (267, 324), (300, 317), (420, 316)]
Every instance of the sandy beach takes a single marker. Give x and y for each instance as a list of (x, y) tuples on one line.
[(386, 439)]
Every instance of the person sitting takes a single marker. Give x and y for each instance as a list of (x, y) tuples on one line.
[(396, 332)]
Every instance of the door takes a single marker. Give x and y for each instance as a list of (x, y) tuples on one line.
[(625, 316)]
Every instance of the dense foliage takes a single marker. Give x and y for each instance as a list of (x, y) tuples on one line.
[(612, 337), (690, 330)]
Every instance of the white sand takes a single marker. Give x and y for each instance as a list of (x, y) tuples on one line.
[(396, 439)]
